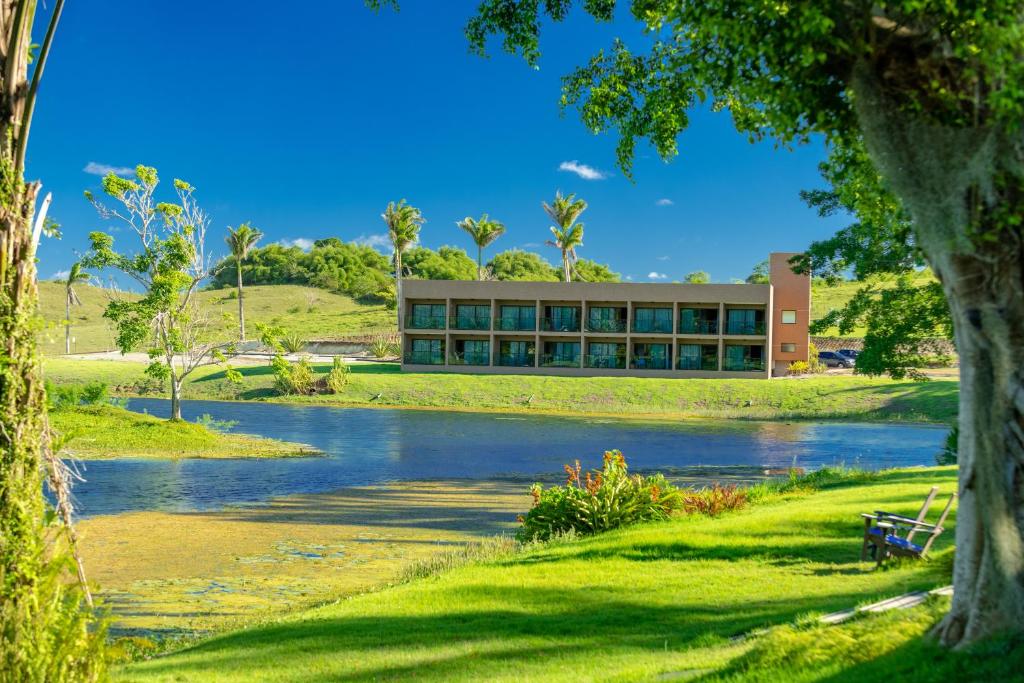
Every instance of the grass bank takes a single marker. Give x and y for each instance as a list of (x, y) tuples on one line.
[(105, 431), (383, 384), (663, 600)]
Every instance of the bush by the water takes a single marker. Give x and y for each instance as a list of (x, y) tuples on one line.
[(599, 501), (338, 377), (948, 454), (73, 395), (715, 500)]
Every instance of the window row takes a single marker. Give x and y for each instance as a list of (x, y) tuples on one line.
[(599, 354), (554, 318)]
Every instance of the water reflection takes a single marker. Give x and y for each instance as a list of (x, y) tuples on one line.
[(372, 446)]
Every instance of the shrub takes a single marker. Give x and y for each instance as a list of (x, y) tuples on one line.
[(799, 367), (382, 347), (293, 342), (293, 378), (600, 501), (948, 455), (338, 377), (72, 395), (814, 365), (715, 500)]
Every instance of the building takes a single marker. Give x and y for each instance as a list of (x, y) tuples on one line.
[(607, 329)]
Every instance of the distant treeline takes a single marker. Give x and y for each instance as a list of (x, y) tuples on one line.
[(362, 272)]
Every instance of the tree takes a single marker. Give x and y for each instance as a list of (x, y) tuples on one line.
[(697, 277), (759, 275), (46, 622), (241, 242), (484, 232), (516, 264), (592, 271), (447, 263), (404, 223), (75, 276), (564, 211), (934, 92), (169, 267), (900, 303)]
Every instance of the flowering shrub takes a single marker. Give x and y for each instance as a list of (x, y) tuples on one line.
[(715, 500), (599, 501)]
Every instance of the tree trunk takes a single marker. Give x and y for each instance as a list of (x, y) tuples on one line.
[(398, 286), (565, 265), (175, 397), (963, 188), (67, 326), (241, 308), (479, 262)]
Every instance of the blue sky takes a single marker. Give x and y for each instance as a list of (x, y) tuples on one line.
[(307, 122)]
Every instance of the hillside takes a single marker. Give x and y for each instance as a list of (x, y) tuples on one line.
[(826, 298), (313, 313)]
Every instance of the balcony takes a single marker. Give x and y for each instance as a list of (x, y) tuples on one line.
[(517, 360), (424, 322), (698, 364), (613, 325), (470, 358), (560, 325), (747, 365), (516, 323), (653, 326), (698, 327), (744, 327), (606, 361), (423, 358), (550, 360), (468, 321), (650, 363)]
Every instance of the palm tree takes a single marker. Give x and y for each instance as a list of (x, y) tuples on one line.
[(484, 232), (241, 242), (403, 223), (75, 276), (568, 233)]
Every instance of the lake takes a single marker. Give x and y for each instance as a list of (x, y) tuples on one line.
[(372, 446)]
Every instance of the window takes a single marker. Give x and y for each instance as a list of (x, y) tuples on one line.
[(788, 317), (788, 348)]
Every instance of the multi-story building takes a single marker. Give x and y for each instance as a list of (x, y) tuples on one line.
[(601, 328)]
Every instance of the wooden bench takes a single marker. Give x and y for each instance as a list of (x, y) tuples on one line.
[(891, 535)]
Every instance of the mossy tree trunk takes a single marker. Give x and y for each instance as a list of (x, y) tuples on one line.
[(964, 187)]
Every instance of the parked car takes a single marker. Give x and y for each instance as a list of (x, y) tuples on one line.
[(849, 353), (832, 359)]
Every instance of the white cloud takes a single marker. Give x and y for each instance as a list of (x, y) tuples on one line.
[(103, 169), (629, 278), (664, 201), (531, 245), (300, 242), (582, 170), (663, 258), (380, 241), (60, 275), (654, 275)]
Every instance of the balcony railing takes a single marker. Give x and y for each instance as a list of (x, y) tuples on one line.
[(515, 323), (748, 365), (697, 364), (424, 322), (560, 324), (470, 322), (651, 363), (653, 326), (606, 361), (698, 327), (755, 328), (613, 325), (517, 360), (423, 358), (474, 358), (549, 360)]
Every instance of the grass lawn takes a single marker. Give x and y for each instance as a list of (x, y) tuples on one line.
[(663, 600), (310, 312), (383, 384), (110, 432)]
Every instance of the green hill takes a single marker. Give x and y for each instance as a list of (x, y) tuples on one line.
[(826, 298), (313, 313)]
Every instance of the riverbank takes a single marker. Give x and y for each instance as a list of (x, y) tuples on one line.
[(105, 431), (384, 385), (663, 600)]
